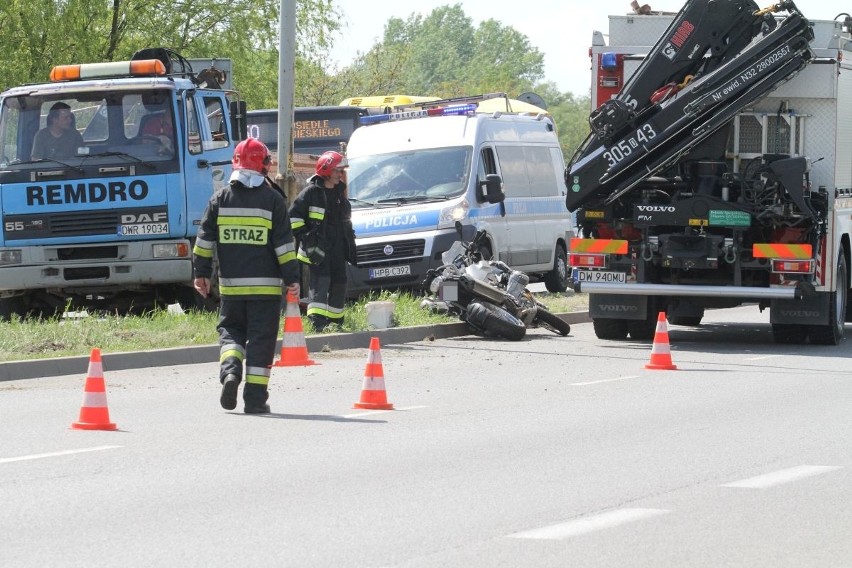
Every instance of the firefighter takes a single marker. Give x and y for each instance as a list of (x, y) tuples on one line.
[(321, 220), (247, 225)]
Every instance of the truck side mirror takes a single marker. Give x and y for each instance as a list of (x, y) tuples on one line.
[(238, 119), (492, 189)]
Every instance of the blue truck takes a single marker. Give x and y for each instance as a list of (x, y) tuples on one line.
[(110, 220)]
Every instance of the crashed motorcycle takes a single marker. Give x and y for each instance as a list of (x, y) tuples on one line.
[(487, 294)]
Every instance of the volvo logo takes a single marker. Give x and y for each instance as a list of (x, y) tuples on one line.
[(388, 250), (617, 308), (656, 208), (806, 314)]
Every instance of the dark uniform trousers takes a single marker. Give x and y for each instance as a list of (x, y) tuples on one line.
[(328, 283), (238, 320)]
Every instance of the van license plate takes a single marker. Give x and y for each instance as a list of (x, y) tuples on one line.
[(601, 276), (389, 271)]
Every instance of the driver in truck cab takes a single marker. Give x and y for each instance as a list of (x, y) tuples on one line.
[(59, 139)]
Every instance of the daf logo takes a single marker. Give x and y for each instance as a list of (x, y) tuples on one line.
[(388, 250), (800, 313), (159, 217), (618, 308), (656, 208)]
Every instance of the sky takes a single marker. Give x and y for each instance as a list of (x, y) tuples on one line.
[(560, 29)]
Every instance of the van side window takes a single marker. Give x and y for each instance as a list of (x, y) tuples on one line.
[(513, 168), (487, 165), (528, 171), (544, 178)]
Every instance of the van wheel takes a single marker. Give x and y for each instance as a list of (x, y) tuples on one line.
[(557, 279)]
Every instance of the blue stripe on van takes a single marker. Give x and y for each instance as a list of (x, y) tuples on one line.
[(376, 222)]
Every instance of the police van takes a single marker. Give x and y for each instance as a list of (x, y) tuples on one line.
[(414, 173)]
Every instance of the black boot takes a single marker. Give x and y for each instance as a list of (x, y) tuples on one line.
[(255, 397), (228, 398), (318, 322)]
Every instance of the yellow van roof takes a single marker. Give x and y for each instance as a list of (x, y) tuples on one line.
[(501, 104), (386, 101), (508, 105)]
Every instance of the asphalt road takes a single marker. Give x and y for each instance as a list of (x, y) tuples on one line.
[(547, 452)]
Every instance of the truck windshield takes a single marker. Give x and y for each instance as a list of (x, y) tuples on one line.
[(413, 176), (72, 128)]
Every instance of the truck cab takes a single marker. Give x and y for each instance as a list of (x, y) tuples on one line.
[(110, 218), (718, 174)]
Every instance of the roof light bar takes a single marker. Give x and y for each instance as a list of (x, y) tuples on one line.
[(140, 68), (409, 114)]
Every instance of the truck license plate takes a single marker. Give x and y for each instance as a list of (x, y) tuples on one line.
[(601, 276), (144, 229), (389, 271)]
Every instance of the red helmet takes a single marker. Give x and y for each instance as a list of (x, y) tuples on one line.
[(252, 154), (328, 162)]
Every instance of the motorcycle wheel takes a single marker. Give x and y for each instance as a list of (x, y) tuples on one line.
[(552, 322), (495, 321)]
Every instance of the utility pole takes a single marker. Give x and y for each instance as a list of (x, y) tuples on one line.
[(286, 178)]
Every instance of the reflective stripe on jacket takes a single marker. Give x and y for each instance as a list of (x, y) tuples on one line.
[(250, 232)]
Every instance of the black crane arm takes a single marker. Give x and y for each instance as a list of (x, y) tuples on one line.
[(628, 146)]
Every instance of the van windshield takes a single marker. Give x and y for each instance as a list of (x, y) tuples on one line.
[(420, 175)]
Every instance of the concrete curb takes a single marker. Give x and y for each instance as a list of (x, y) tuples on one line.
[(37, 368)]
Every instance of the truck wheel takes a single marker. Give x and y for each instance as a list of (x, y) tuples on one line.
[(552, 322), (693, 321), (189, 299), (12, 307), (790, 334), (832, 333), (642, 330), (557, 279), (610, 328), (495, 321)]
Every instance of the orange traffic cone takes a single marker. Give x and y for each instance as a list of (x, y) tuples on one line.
[(661, 356), (94, 414), (373, 395), (294, 351)]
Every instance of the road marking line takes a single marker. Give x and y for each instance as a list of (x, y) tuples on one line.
[(57, 454), (782, 476), (589, 524), (762, 357), (371, 412), (604, 381)]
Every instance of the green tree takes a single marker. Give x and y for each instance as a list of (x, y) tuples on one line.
[(446, 56), (570, 113), (39, 34)]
